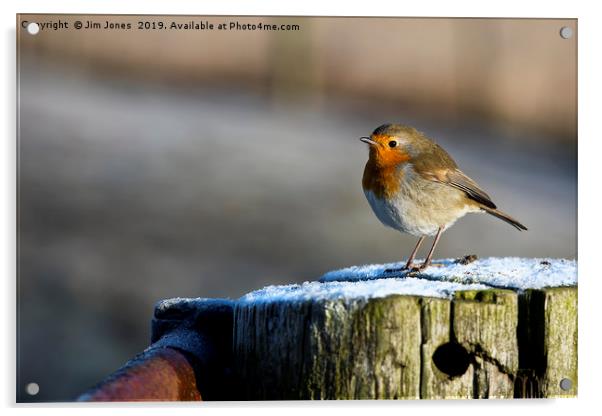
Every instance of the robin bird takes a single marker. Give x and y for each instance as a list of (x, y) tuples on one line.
[(415, 187)]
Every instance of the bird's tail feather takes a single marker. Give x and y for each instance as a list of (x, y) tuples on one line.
[(504, 217)]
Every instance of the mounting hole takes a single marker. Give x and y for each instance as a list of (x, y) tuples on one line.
[(566, 384), (32, 389), (452, 359), (566, 32), (33, 28)]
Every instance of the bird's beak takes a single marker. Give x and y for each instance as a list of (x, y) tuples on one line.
[(368, 140)]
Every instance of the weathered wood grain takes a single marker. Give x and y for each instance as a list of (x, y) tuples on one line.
[(547, 343), (485, 323), (481, 344), (560, 341), (436, 333), (330, 349)]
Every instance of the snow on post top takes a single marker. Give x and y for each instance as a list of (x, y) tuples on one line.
[(504, 272), (440, 280)]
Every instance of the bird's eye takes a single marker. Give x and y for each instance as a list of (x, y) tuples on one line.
[(392, 143)]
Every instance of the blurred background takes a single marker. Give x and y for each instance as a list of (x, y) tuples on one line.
[(196, 163)]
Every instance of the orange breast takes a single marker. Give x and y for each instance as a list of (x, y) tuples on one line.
[(384, 182), (382, 174)]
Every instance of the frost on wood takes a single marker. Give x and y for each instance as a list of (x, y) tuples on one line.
[(442, 280), (442, 334)]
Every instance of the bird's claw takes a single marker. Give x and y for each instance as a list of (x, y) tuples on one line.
[(415, 270), (409, 270), (400, 269)]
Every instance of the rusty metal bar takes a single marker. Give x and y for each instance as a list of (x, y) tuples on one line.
[(157, 374), (190, 358)]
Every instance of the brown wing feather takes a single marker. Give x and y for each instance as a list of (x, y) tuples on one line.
[(458, 179), (436, 164)]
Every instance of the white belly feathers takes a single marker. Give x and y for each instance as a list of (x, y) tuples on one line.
[(420, 209)]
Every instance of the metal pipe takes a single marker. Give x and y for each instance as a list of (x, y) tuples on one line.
[(163, 374), (190, 357)]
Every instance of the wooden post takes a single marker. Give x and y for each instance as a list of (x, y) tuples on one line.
[(440, 381), (492, 343), (485, 323), (548, 343)]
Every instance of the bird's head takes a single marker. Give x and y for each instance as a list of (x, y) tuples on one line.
[(392, 144)]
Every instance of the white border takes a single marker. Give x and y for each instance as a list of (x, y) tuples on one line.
[(589, 33)]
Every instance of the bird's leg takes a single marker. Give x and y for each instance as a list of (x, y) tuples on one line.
[(410, 263), (427, 262)]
